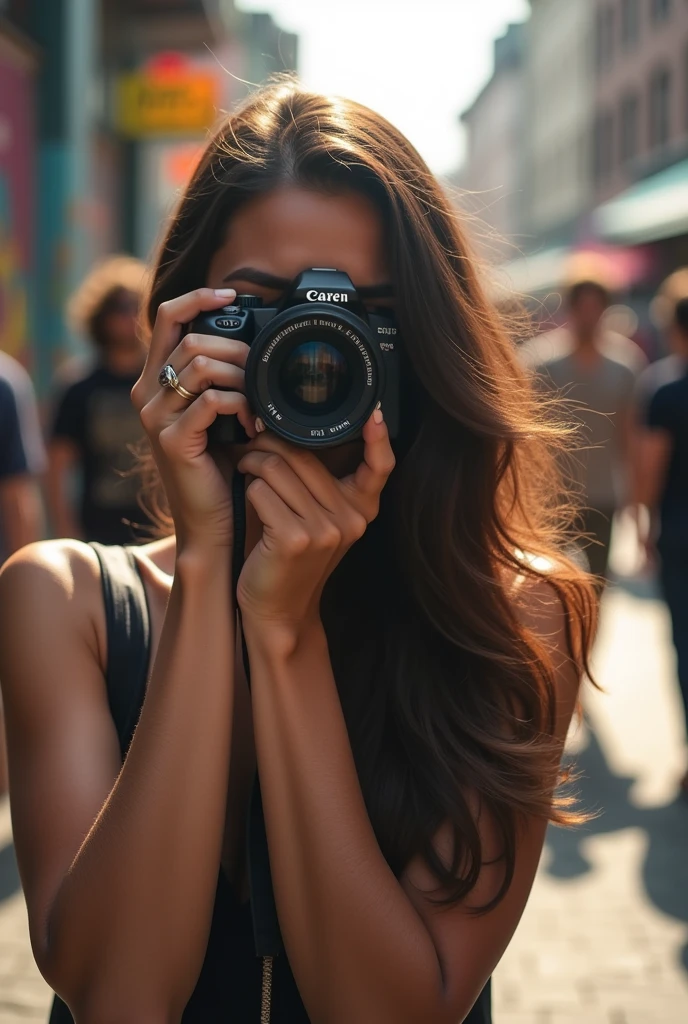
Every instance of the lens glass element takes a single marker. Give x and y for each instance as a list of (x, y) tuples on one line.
[(315, 377)]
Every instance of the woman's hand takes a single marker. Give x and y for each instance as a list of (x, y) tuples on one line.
[(310, 519), (197, 490)]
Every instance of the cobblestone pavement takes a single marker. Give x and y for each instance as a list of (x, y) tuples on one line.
[(605, 935)]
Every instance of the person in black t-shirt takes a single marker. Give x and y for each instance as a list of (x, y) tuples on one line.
[(95, 425), (663, 484)]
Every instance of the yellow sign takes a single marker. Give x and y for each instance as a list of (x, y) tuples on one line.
[(177, 104)]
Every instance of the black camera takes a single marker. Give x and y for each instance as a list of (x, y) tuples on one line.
[(318, 365)]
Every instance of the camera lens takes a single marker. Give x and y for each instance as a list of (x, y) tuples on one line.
[(314, 374), (315, 377)]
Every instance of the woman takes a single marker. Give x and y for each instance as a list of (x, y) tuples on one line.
[(412, 673), (662, 486)]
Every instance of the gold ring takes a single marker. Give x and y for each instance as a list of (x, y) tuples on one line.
[(167, 378)]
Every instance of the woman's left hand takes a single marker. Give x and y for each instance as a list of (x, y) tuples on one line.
[(310, 519)]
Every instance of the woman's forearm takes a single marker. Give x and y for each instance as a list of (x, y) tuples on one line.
[(358, 949), (129, 926)]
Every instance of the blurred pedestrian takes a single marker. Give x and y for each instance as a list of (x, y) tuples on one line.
[(673, 364), (96, 426), (670, 367), (594, 370), (662, 484), (21, 459)]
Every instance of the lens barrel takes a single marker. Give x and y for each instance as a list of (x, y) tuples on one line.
[(314, 374)]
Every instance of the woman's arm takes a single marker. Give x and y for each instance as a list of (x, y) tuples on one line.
[(119, 867), (364, 946)]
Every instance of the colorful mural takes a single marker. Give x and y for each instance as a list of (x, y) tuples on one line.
[(16, 187)]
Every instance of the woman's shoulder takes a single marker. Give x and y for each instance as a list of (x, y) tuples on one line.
[(52, 567), (540, 588), (530, 578), (49, 592)]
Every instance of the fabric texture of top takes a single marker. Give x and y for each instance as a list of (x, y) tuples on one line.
[(229, 985), (668, 411), (96, 414)]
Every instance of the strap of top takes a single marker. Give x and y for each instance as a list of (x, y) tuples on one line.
[(127, 620)]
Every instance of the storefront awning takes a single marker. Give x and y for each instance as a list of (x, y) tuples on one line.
[(650, 210), (550, 269)]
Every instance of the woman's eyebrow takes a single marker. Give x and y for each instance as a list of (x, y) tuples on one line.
[(259, 277), (265, 280)]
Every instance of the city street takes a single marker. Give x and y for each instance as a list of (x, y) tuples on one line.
[(605, 935)]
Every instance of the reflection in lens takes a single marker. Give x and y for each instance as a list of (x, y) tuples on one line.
[(316, 377)]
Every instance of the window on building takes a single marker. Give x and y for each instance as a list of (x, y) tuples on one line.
[(660, 10), (628, 128), (603, 146), (604, 37), (685, 91), (630, 23), (660, 107)]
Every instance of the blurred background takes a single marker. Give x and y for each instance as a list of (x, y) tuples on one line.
[(560, 131)]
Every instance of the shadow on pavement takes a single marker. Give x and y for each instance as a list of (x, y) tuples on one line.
[(9, 875), (665, 871)]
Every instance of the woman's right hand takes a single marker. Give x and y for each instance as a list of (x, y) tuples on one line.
[(197, 490)]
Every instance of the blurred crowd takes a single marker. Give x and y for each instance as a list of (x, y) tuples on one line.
[(72, 473)]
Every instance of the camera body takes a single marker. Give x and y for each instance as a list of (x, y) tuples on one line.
[(318, 364)]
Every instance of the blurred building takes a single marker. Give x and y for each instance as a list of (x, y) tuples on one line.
[(18, 155), (640, 132), (104, 108), (269, 49), (492, 179), (601, 146), (560, 100)]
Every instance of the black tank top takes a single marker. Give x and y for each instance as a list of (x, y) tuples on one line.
[(229, 985)]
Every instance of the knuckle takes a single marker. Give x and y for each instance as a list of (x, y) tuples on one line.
[(256, 486), (147, 416), (164, 311), (329, 536), (272, 463), (389, 463), (297, 541), (199, 364), (358, 525), (167, 439), (374, 510), (190, 344), (209, 398), (241, 351), (136, 395)]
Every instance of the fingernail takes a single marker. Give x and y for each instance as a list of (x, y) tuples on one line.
[(225, 293), (260, 426), (377, 415)]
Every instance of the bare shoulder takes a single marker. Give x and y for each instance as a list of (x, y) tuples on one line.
[(62, 561), (49, 591), (543, 612)]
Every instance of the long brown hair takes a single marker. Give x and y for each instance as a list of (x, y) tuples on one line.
[(445, 693)]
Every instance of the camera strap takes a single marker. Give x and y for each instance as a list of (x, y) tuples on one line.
[(266, 930)]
